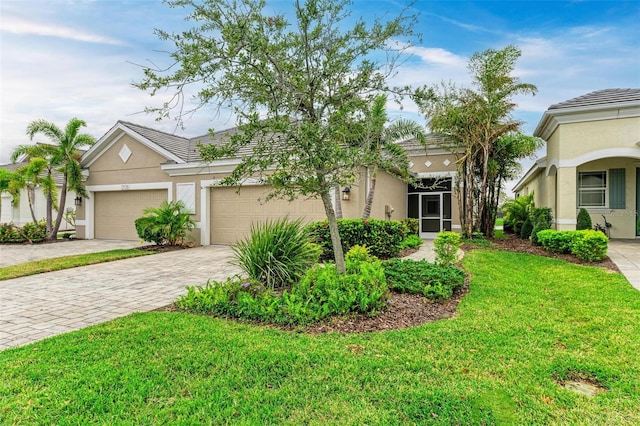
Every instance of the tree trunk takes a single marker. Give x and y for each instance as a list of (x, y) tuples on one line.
[(63, 198), (30, 198), (49, 212), (333, 230), (337, 199), (372, 189)]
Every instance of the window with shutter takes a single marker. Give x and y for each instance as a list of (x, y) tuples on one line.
[(616, 189)]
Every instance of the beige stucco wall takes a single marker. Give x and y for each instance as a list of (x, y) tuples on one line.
[(573, 140)]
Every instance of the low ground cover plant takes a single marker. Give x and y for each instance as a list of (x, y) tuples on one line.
[(586, 245), (320, 293), (436, 282)]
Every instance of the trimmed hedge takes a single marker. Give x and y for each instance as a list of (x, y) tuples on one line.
[(383, 238), (586, 245), (36, 232)]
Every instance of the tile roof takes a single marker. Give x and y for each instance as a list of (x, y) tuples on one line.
[(600, 97)]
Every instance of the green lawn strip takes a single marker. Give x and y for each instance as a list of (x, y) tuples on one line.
[(527, 322), (67, 262)]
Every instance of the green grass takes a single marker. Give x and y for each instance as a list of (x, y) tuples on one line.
[(527, 322), (66, 262)]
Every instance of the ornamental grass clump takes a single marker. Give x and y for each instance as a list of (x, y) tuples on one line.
[(276, 253)]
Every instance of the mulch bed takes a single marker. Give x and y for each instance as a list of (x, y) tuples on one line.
[(406, 310)]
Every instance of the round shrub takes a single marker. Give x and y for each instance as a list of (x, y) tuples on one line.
[(590, 245), (584, 220)]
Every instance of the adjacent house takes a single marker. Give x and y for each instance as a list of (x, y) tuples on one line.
[(19, 213), (592, 161), (132, 167)]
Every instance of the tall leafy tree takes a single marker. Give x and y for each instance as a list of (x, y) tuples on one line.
[(64, 157), (296, 83), (478, 127), (378, 141)]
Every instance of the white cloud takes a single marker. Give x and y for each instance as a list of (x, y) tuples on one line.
[(23, 27)]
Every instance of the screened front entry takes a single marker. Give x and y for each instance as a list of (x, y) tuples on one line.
[(430, 203)]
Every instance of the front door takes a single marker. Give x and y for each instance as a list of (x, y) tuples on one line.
[(430, 203)]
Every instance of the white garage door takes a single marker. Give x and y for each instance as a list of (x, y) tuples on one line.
[(115, 212), (232, 214)]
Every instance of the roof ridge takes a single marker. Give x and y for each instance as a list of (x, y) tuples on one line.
[(128, 123), (600, 97)]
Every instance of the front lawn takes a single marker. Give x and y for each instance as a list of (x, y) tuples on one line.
[(67, 262), (528, 324)]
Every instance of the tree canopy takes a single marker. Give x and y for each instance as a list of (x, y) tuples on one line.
[(478, 128), (297, 86), (62, 155)]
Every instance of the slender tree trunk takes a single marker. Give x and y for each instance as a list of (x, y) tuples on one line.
[(30, 197), (63, 198), (338, 253), (49, 213), (469, 197), (372, 190), (337, 199)]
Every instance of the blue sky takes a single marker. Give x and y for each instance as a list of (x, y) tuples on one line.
[(65, 58)]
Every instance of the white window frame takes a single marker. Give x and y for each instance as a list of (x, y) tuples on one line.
[(604, 189)]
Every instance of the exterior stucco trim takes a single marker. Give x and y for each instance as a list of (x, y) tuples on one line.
[(597, 155), (115, 134)]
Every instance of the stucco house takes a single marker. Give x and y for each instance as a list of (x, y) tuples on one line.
[(132, 167), (19, 214), (592, 161)]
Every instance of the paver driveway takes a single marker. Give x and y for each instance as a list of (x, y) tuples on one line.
[(39, 306)]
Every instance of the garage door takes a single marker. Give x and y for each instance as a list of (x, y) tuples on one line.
[(115, 212), (233, 213)]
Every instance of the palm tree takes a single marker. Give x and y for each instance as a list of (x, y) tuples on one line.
[(65, 157), (381, 150), (37, 172)]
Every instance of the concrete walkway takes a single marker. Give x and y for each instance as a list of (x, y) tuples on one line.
[(626, 255), (39, 306)]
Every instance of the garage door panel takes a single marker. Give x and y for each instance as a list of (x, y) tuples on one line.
[(232, 214), (116, 212)]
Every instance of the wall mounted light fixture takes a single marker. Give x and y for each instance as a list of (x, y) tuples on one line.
[(346, 194)]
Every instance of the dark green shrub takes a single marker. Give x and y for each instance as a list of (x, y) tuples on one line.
[(34, 232), (276, 253), (542, 219), (168, 224), (383, 238), (411, 226), (516, 212), (584, 220), (587, 245), (446, 245), (590, 245), (556, 242), (527, 228), (435, 282), (411, 241)]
